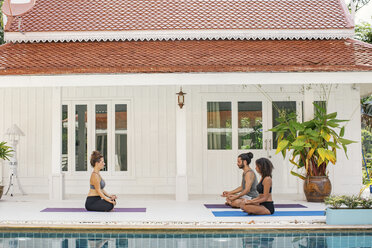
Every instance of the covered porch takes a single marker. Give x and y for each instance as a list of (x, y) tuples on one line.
[(161, 212)]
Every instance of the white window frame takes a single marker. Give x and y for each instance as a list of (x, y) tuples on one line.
[(91, 130), (234, 98)]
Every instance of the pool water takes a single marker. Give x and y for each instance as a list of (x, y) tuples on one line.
[(194, 239)]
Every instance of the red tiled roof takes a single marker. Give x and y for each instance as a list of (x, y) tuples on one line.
[(185, 56), (125, 15)]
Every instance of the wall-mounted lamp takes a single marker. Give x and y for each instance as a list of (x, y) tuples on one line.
[(181, 98)]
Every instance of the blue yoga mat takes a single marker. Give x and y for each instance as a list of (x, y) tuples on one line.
[(277, 213)]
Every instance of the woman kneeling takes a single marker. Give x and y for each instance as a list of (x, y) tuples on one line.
[(98, 199), (263, 204)]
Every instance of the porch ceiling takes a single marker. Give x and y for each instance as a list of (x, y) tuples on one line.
[(186, 56)]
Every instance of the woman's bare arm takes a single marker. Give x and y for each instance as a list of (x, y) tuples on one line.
[(267, 182)]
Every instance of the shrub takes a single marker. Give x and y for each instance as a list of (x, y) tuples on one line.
[(352, 202), (5, 151), (366, 202), (334, 201)]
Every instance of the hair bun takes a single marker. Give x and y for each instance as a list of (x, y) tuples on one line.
[(95, 157), (250, 155)]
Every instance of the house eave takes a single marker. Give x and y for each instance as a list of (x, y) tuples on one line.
[(209, 78), (145, 35)]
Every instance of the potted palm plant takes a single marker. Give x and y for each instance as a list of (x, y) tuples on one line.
[(5, 153), (313, 145)]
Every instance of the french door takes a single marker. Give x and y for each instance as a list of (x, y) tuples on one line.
[(233, 125)]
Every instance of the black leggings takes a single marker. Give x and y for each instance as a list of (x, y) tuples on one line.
[(269, 205), (95, 203)]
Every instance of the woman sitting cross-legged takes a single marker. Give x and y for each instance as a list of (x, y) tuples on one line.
[(98, 199), (263, 204), (247, 190)]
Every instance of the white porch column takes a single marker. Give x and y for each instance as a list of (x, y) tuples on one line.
[(308, 103), (181, 178), (56, 187)]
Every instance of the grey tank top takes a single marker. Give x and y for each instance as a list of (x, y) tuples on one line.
[(253, 191), (102, 183)]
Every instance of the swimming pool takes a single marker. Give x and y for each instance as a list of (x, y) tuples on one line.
[(194, 239)]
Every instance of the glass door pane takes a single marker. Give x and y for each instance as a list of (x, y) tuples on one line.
[(64, 138), (219, 125), (101, 131), (280, 108), (121, 137), (81, 137), (249, 125)]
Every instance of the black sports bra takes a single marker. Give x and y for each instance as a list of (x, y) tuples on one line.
[(260, 187)]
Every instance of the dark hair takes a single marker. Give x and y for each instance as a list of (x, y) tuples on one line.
[(265, 167), (95, 158), (246, 156)]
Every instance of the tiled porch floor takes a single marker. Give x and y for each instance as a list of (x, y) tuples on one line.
[(162, 212)]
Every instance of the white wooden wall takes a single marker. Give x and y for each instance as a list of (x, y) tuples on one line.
[(153, 151), (153, 138), (30, 109), (346, 175)]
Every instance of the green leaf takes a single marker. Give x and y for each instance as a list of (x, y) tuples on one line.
[(342, 131), (298, 175), (338, 120), (281, 146), (298, 126), (345, 141), (332, 124), (331, 116), (319, 108), (311, 132), (322, 153), (332, 144), (325, 135), (5, 151), (330, 156), (345, 149), (284, 152), (298, 142)]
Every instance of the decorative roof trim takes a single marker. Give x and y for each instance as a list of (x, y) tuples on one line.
[(228, 34)]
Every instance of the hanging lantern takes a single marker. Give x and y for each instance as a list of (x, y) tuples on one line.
[(181, 98)]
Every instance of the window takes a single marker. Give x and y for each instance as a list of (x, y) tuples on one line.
[(278, 108), (101, 131), (64, 137), (322, 104), (249, 125), (88, 126), (121, 137), (219, 125), (81, 138)]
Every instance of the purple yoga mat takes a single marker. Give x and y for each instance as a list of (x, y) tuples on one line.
[(275, 205), (128, 210)]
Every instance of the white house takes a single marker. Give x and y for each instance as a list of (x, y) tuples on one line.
[(82, 75)]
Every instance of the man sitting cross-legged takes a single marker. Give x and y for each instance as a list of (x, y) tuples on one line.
[(248, 189)]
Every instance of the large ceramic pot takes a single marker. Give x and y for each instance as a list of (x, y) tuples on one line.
[(1, 191), (317, 188)]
